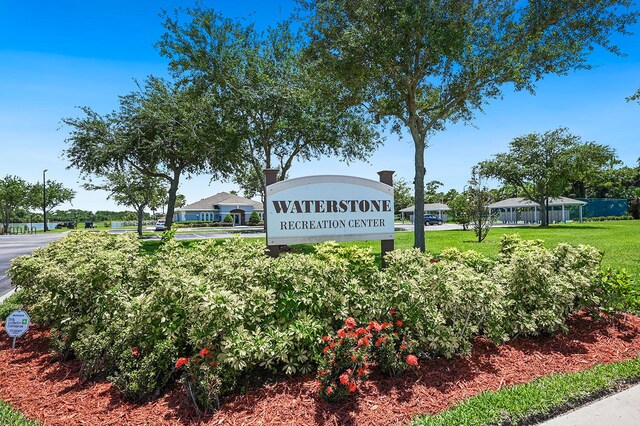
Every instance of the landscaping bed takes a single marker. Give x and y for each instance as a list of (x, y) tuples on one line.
[(53, 393)]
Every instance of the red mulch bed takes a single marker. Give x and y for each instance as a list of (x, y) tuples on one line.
[(52, 393)]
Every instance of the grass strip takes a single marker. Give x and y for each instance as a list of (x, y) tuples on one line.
[(8, 416), (538, 400)]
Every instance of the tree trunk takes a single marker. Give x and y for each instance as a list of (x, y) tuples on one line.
[(544, 215), (171, 205), (418, 213), (140, 211)]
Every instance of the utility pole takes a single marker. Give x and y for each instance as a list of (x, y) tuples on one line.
[(44, 200)]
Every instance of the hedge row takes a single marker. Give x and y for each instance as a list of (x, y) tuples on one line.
[(130, 316)]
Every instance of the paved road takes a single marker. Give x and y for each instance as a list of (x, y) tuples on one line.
[(16, 245)]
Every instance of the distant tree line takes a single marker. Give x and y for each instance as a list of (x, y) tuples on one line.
[(19, 199), (98, 216), (22, 202)]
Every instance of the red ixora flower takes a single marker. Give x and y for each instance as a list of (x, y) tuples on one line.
[(412, 360), (361, 331), (329, 390), (399, 323), (341, 333), (326, 338), (363, 342), (352, 387), (350, 322), (181, 361), (204, 352), (373, 325), (392, 311), (344, 379), (135, 352)]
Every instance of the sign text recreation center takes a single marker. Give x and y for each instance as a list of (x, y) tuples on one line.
[(321, 208)]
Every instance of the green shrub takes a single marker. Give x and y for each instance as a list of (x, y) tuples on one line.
[(254, 218), (69, 284), (613, 292), (141, 376), (228, 219), (543, 286), (9, 305), (470, 258), (204, 380), (607, 218), (444, 303), (198, 224)]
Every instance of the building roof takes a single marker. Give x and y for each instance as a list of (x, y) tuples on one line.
[(222, 198), (428, 208), (523, 202)]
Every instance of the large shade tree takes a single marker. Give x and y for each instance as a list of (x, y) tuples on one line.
[(285, 108), (542, 166), (166, 131), (419, 65)]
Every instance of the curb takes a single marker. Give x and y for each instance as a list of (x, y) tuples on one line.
[(7, 294)]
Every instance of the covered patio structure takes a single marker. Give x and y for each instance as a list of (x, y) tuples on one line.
[(437, 209), (514, 210)]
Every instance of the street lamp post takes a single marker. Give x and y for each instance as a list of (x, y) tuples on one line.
[(44, 200)]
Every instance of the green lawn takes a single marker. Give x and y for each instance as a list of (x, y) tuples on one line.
[(619, 240), (522, 403), (8, 416)]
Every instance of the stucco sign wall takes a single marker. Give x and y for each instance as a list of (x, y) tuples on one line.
[(321, 208)]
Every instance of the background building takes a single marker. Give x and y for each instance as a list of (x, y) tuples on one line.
[(216, 207)]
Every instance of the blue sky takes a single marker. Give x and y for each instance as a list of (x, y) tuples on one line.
[(55, 56)]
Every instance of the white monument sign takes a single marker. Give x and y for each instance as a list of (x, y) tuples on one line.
[(321, 208), (16, 324)]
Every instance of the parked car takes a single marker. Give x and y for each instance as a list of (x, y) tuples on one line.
[(68, 224), (431, 219), (89, 224), (160, 225)]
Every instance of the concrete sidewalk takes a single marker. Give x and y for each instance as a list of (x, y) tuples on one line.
[(621, 409)]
